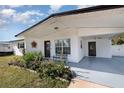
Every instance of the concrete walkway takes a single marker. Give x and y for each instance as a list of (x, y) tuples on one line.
[(77, 83), (102, 78)]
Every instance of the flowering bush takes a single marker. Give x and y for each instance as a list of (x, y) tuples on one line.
[(54, 70)]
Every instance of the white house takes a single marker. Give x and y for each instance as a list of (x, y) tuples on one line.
[(5, 47), (78, 33), (18, 46), (15, 47)]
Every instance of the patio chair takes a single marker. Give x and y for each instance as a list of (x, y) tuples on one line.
[(60, 58)]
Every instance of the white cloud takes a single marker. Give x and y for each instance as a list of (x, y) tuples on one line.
[(54, 8), (22, 17), (3, 23), (83, 6), (7, 12), (26, 16), (15, 6), (33, 13)]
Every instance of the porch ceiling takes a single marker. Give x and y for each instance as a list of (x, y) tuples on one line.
[(110, 36), (99, 36)]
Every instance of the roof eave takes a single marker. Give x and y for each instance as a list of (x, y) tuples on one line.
[(34, 25), (84, 10)]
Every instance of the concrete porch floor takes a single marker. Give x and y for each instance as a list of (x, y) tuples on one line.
[(111, 65)]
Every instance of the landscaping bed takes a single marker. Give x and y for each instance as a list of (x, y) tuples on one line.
[(48, 73)]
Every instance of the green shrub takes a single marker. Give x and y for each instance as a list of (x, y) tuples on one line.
[(120, 42), (33, 65), (28, 57), (38, 56), (32, 59), (54, 70), (33, 56)]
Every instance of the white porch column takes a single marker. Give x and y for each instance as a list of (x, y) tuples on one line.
[(74, 57)]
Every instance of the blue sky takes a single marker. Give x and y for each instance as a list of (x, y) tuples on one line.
[(14, 19)]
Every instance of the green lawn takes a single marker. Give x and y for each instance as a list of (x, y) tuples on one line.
[(11, 77)]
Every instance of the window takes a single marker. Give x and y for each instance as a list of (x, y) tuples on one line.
[(62, 46), (21, 45)]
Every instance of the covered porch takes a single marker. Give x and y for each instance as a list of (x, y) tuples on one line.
[(110, 65), (105, 71)]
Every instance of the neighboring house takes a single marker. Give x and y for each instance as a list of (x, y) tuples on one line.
[(12, 47), (77, 33), (5, 48), (18, 46)]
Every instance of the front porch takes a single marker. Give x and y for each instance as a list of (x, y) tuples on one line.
[(111, 65), (105, 71)]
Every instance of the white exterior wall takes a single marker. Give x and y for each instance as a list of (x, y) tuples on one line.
[(117, 50), (76, 53), (17, 51), (29, 47), (103, 47)]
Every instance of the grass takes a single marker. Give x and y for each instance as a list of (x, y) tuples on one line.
[(11, 77)]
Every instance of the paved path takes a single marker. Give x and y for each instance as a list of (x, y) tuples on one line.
[(102, 78), (77, 83)]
